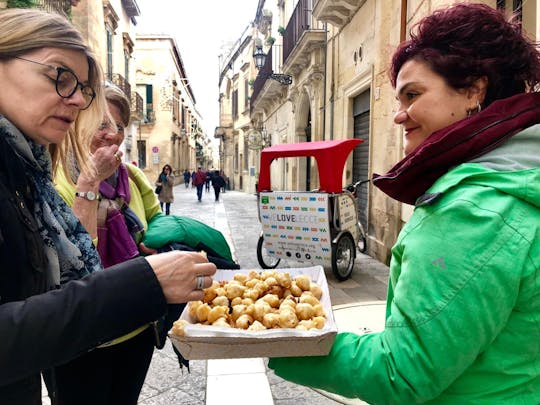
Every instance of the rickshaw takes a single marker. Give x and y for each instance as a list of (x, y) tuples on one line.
[(317, 227)]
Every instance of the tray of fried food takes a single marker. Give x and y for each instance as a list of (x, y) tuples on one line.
[(270, 302)]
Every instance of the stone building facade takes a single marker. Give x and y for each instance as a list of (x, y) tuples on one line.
[(337, 54)]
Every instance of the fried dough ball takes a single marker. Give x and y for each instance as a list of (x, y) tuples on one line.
[(287, 318), (308, 298), (318, 310), (318, 321), (290, 301), (178, 327), (304, 311), (284, 279), (303, 282), (271, 281), (271, 299), (236, 301), (202, 312), (276, 290), (238, 310), (241, 277), (210, 293), (316, 290), (256, 326), (220, 301), (192, 309), (247, 301), (244, 321), (220, 291), (221, 322), (234, 290), (252, 282), (271, 320), (251, 293), (306, 323), (218, 312), (260, 309), (295, 290)]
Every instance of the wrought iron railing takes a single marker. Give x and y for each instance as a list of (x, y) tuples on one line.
[(137, 105), (301, 20), (121, 82), (55, 6), (262, 77)]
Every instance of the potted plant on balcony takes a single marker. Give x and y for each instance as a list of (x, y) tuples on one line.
[(270, 41), (281, 30)]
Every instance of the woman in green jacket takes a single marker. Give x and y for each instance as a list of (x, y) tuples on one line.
[(463, 307)]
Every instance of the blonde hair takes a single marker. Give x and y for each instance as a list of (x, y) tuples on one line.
[(26, 30)]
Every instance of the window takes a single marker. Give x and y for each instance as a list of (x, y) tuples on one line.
[(109, 33), (149, 105), (141, 151), (246, 165), (246, 94), (126, 66), (235, 104)]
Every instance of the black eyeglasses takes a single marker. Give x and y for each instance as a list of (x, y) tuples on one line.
[(67, 83)]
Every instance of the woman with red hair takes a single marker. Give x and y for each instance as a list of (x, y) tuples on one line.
[(463, 305)]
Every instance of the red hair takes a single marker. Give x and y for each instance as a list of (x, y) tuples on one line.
[(467, 41)]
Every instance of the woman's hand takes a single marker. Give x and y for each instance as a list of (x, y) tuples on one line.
[(106, 160), (177, 273)]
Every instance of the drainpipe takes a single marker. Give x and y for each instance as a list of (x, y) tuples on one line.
[(324, 86), (403, 21), (332, 92)]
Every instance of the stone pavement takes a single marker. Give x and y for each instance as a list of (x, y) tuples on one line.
[(236, 217)]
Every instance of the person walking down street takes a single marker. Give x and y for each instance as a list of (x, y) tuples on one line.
[(193, 173), (463, 307), (55, 300), (198, 181), (218, 182), (208, 180), (187, 176), (166, 181)]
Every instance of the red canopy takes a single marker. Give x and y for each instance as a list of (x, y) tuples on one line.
[(330, 157)]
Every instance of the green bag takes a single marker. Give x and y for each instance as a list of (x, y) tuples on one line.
[(165, 229)]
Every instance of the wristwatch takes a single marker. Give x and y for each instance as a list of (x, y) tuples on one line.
[(89, 195)]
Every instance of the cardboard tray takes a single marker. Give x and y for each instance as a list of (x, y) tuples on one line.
[(203, 342)]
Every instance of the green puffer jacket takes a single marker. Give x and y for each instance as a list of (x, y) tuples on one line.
[(463, 307)]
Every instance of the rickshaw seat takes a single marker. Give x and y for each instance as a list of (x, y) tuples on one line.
[(329, 155)]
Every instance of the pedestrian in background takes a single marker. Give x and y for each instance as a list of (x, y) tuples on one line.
[(166, 181), (218, 182), (193, 173), (198, 181), (187, 176), (463, 306), (208, 180), (55, 300)]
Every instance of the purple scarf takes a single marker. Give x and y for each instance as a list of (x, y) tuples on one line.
[(458, 143), (122, 186)]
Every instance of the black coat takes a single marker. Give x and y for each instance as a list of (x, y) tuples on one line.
[(41, 329)]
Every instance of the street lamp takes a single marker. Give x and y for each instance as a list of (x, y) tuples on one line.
[(260, 58)]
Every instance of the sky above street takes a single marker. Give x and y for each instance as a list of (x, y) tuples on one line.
[(201, 29)]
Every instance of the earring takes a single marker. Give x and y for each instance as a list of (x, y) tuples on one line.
[(476, 110)]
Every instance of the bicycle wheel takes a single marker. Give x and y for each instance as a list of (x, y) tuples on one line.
[(362, 241), (265, 260), (343, 255)]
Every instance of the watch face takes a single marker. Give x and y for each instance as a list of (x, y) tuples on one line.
[(90, 195)]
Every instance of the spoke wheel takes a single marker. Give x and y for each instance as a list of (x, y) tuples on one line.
[(265, 260), (343, 255)]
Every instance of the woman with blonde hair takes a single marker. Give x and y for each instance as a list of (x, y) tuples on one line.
[(55, 302)]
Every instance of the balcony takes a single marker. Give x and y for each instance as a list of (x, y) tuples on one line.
[(336, 12), (264, 88), (136, 106), (131, 7), (55, 6), (121, 82), (302, 35)]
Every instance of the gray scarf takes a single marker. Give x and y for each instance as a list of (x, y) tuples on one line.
[(70, 252)]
